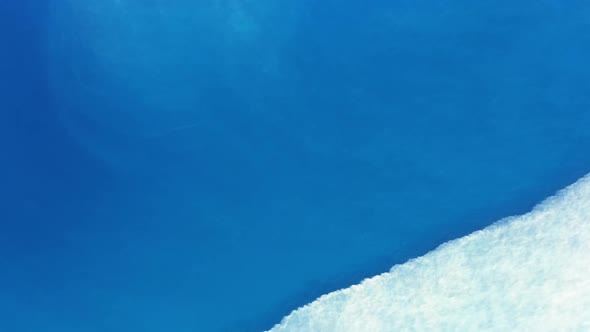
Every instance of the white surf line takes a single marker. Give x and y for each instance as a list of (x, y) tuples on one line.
[(525, 273)]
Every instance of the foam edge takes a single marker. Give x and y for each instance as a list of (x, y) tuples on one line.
[(511, 250)]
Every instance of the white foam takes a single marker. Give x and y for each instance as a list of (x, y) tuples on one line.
[(527, 273)]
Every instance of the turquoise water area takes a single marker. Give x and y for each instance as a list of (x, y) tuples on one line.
[(213, 166)]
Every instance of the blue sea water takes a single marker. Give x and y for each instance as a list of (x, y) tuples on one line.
[(211, 167)]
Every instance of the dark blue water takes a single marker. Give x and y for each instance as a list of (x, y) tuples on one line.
[(162, 172)]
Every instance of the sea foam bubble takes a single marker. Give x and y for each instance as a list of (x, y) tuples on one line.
[(525, 273)]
